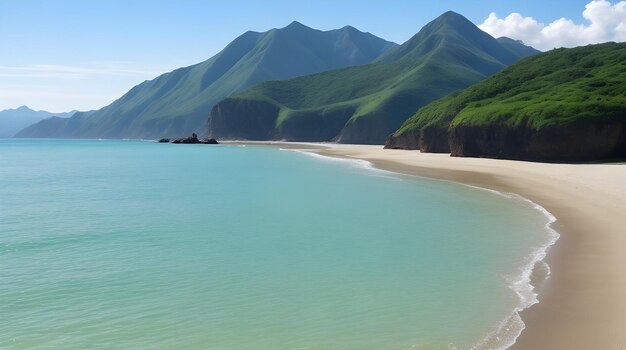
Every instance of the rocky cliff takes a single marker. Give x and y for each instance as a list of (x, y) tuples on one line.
[(580, 140), (563, 105), (255, 120)]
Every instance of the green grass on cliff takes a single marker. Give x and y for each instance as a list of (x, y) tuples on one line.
[(556, 87)]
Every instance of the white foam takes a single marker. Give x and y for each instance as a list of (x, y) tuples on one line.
[(510, 328)]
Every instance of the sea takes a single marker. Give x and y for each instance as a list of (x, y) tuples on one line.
[(139, 245)]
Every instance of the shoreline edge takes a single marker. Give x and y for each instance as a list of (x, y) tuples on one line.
[(583, 303)]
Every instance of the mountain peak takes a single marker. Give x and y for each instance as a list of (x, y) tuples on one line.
[(450, 14), (296, 25), (452, 19), (23, 108), (449, 26)]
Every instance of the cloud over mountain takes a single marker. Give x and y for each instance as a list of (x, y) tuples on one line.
[(606, 22)]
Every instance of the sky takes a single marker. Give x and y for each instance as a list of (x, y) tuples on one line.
[(63, 55)]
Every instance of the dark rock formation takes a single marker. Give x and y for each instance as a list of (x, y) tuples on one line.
[(314, 126), (238, 119), (434, 139), (429, 139), (406, 140), (193, 139), (190, 139), (581, 140), (368, 129), (164, 140)]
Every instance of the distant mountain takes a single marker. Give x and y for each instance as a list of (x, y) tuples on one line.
[(179, 102), (14, 120), (365, 104), (55, 127), (563, 105)]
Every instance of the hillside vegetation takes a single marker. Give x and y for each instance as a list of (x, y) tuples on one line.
[(566, 104)]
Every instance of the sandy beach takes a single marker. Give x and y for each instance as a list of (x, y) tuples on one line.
[(583, 303)]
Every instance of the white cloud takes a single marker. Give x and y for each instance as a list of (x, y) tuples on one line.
[(75, 72), (82, 86), (605, 22)]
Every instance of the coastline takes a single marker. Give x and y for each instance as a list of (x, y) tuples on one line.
[(583, 303)]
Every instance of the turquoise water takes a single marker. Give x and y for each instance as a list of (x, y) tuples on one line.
[(137, 245)]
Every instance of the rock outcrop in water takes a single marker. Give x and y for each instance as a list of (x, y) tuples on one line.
[(193, 139)]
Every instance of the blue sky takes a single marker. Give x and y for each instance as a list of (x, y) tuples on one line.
[(70, 54)]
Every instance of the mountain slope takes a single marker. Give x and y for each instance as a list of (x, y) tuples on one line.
[(365, 104), (55, 127), (563, 105), (14, 120), (179, 102)]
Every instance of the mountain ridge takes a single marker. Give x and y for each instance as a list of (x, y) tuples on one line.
[(178, 102), (364, 104), (13, 120)]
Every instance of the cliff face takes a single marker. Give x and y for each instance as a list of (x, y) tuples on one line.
[(243, 119), (365, 130), (582, 140), (408, 140), (254, 120), (313, 126), (430, 139)]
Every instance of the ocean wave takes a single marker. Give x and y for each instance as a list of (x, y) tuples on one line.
[(507, 332)]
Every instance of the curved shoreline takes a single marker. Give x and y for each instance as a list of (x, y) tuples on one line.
[(583, 304), (510, 328)]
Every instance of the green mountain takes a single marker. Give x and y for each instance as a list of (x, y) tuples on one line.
[(563, 105), (365, 104), (14, 120), (178, 103)]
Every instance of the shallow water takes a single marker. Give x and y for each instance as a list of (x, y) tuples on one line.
[(126, 244)]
